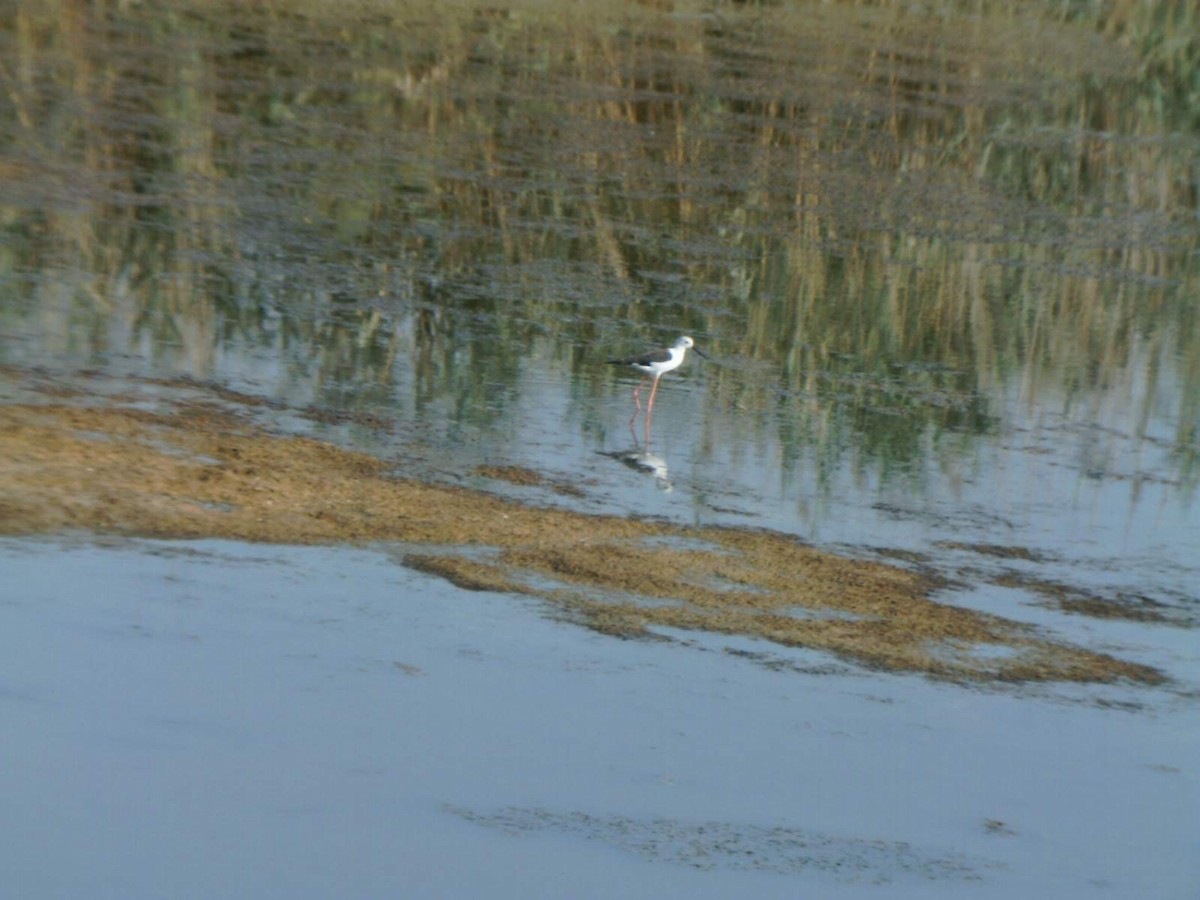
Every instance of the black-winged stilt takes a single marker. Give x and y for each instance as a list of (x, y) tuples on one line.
[(656, 363)]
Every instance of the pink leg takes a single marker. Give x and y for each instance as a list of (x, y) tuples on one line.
[(653, 391), (637, 403), (650, 410)]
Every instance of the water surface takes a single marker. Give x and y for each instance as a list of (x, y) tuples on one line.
[(946, 269), (944, 259), (296, 722)]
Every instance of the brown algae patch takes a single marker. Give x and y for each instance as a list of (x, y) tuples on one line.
[(738, 846), (525, 477), (201, 471), (1123, 606), (1001, 551), (518, 475)]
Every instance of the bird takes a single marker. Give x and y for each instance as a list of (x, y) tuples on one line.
[(656, 363)]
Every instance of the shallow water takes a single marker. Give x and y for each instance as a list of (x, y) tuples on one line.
[(945, 267), (950, 293), (294, 722)]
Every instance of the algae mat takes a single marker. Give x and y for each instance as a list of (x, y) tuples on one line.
[(203, 469)]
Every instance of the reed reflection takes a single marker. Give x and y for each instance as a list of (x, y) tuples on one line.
[(895, 223)]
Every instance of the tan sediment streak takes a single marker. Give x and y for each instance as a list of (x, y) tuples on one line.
[(198, 470)]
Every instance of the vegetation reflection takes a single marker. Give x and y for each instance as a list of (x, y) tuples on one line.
[(891, 218)]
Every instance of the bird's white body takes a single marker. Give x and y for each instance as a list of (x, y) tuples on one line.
[(659, 362), (655, 364)]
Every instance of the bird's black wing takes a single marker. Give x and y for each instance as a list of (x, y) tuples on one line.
[(644, 359)]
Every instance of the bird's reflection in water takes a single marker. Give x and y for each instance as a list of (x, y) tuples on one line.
[(646, 463)]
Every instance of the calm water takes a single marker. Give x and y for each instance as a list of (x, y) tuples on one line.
[(235, 721), (947, 273), (946, 267)]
